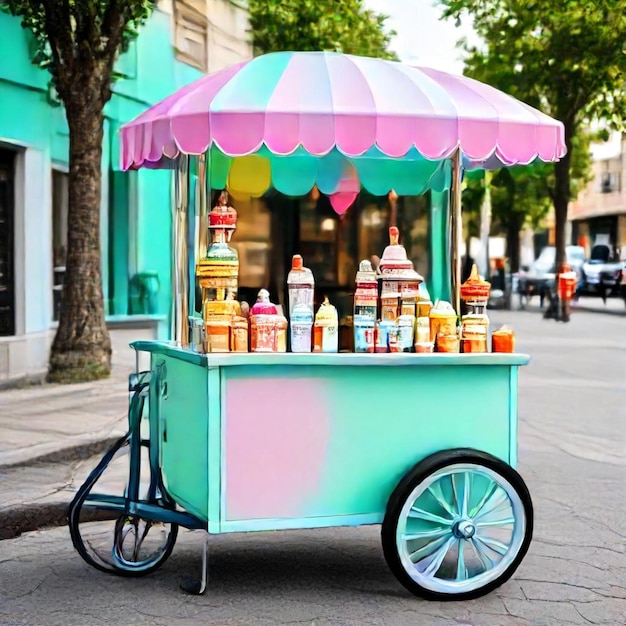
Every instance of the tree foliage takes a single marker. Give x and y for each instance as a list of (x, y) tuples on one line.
[(340, 25), (78, 42), (74, 36), (522, 196), (566, 57)]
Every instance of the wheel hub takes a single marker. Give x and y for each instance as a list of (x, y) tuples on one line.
[(464, 529)]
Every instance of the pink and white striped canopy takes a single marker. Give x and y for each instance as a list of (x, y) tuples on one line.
[(325, 101)]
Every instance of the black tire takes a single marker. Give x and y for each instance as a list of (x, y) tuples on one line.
[(421, 473), (109, 525)]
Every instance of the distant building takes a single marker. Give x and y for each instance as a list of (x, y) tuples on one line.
[(181, 40), (598, 215)]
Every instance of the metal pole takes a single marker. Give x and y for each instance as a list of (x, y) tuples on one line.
[(456, 228), (180, 260), (201, 244), (485, 227), (202, 206), (192, 239)]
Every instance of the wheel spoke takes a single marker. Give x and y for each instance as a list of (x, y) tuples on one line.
[(435, 560), (120, 537), (496, 522), (455, 494), (488, 493), (492, 505), (427, 534), (461, 570), (437, 493), (461, 500), (427, 549), (466, 494), (487, 563), (139, 540), (416, 513), (494, 544)]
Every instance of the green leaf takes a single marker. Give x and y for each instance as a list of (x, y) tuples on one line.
[(320, 25)]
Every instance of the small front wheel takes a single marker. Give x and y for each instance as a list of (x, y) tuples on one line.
[(457, 525), (105, 534)]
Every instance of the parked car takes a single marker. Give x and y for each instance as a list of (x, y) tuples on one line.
[(540, 276), (602, 272)]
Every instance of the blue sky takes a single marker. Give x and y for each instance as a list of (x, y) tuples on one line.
[(423, 39)]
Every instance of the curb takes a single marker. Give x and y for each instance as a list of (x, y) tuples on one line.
[(28, 517), (67, 454)]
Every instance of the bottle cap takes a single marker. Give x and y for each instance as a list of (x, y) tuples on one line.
[(394, 235), (296, 262)]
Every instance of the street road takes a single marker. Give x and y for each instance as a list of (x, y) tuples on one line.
[(572, 455)]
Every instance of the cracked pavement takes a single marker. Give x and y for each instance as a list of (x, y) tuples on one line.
[(572, 455)]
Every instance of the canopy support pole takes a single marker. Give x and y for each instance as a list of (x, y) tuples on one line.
[(204, 192), (180, 262), (456, 228)]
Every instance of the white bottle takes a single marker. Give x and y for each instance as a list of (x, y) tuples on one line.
[(301, 287)]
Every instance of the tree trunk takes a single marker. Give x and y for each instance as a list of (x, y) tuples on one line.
[(81, 350), (562, 196), (513, 226)]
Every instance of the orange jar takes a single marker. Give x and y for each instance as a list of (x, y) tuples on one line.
[(473, 345), (218, 331), (447, 343), (503, 340)]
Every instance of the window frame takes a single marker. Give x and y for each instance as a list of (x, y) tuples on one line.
[(190, 20)]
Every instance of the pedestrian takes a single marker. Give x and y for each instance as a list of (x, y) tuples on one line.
[(566, 284)]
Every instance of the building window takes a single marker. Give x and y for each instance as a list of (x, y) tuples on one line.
[(191, 32), (609, 182), (59, 237)]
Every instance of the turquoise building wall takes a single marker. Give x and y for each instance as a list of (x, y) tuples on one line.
[(135, 213)]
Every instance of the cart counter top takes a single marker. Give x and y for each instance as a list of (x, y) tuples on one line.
[(343, 358)]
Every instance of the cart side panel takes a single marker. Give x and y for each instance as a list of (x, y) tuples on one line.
[(321, 442), (184, 434)]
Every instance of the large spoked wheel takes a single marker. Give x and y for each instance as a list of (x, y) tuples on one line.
[(457, 526), (105, 536)]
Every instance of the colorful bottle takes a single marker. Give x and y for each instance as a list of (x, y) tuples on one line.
[(405, 325), (443, 327), (219, 270), (301, 328), (365, 307), (264, 324), (399, 282), (475, 324), (301, 288), (326, 333)]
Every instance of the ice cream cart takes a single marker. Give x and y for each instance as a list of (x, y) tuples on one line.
[(423, 444)]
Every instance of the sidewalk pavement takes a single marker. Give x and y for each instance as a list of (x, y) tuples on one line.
[(51, 436)]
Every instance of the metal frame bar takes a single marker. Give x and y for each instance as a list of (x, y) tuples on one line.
[(456, 226), (180, 260)]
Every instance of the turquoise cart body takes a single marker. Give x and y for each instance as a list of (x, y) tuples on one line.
[(255, 442)]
